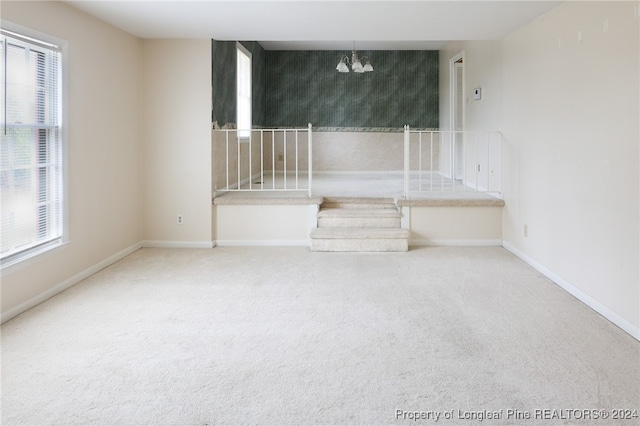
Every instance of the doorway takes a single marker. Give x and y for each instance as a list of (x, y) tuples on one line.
[(457, 116)]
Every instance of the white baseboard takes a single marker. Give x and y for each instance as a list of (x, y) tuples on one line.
[(455, 243), (6, 316), (577, 293), (263, 243), (177, 244)]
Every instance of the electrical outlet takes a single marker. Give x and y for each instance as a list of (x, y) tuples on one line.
[(180, 219)]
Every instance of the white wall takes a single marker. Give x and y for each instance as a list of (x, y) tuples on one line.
[(462, 226), (241, 224), (138, 147), (102, 81), (570, 118), (482, 69), (176, 142)]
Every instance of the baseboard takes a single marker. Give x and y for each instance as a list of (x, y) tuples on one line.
[(610, 315), (263, 243), (11, 313), (455, 243), (177, 244)]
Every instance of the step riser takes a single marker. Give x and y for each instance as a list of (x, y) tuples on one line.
[(358, 222), (357, 206), (360, 245), (359, 233), (359, 225)]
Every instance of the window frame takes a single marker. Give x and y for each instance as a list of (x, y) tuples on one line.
[(244, 134), (26, 257)]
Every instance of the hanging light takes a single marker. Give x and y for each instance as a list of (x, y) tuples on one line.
[(356, 63), (342, 66)]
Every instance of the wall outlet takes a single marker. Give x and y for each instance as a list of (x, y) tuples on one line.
[(180, 219), (526, 230)]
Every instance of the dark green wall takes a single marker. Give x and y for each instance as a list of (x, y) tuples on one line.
[(294, 88), (224, 75), (304, 87)]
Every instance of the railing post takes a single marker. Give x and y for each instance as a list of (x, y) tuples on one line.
[(310, 158), (297, 165), (406, 160), (273, 159), (226, 132), (238, 145)]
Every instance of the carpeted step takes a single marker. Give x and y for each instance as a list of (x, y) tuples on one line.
[(359, 218), (360, 239), (358, 203)]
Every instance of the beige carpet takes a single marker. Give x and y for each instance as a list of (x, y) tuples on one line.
[(286, 336)]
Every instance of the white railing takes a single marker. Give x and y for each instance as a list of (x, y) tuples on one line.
[(267, 160), (282, 159), (450, 161)]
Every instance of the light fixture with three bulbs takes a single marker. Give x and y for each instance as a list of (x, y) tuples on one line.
[(356, 63)]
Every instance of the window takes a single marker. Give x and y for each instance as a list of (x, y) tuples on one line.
[(31, 172), (244, 91)]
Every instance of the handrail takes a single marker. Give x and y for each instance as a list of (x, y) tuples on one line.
[(246, 165), (467, 160), (278, 159)]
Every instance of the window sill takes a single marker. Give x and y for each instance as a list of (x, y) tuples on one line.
[(11, 265)]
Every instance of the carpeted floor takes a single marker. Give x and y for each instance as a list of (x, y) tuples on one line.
[(286, 336)]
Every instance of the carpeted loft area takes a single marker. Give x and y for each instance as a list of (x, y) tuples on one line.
[(287, 336)]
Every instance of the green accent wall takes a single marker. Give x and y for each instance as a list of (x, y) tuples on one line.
[(304, 87), (294, 88), (224, 80), (223, 85)]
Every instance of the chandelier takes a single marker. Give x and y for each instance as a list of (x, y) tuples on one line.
[(356, 62)]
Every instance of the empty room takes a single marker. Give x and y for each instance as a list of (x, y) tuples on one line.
[(320, 212)]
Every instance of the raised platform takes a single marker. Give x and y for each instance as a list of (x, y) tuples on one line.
[(451, 214), (286, 219), (382, 184)]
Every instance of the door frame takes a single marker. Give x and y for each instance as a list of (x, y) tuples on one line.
[(456, 61)]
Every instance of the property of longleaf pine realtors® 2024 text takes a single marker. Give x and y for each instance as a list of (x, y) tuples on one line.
[(512, 414)]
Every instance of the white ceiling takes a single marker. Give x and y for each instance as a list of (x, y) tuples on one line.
[(318, 25)]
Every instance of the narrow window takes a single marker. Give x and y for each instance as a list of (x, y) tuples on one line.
[(244, 92), (31, 172)]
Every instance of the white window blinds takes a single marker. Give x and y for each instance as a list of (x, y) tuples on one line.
[(244, 92), (31, 151)]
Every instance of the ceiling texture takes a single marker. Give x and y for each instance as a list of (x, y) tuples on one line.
[(320, 25)]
